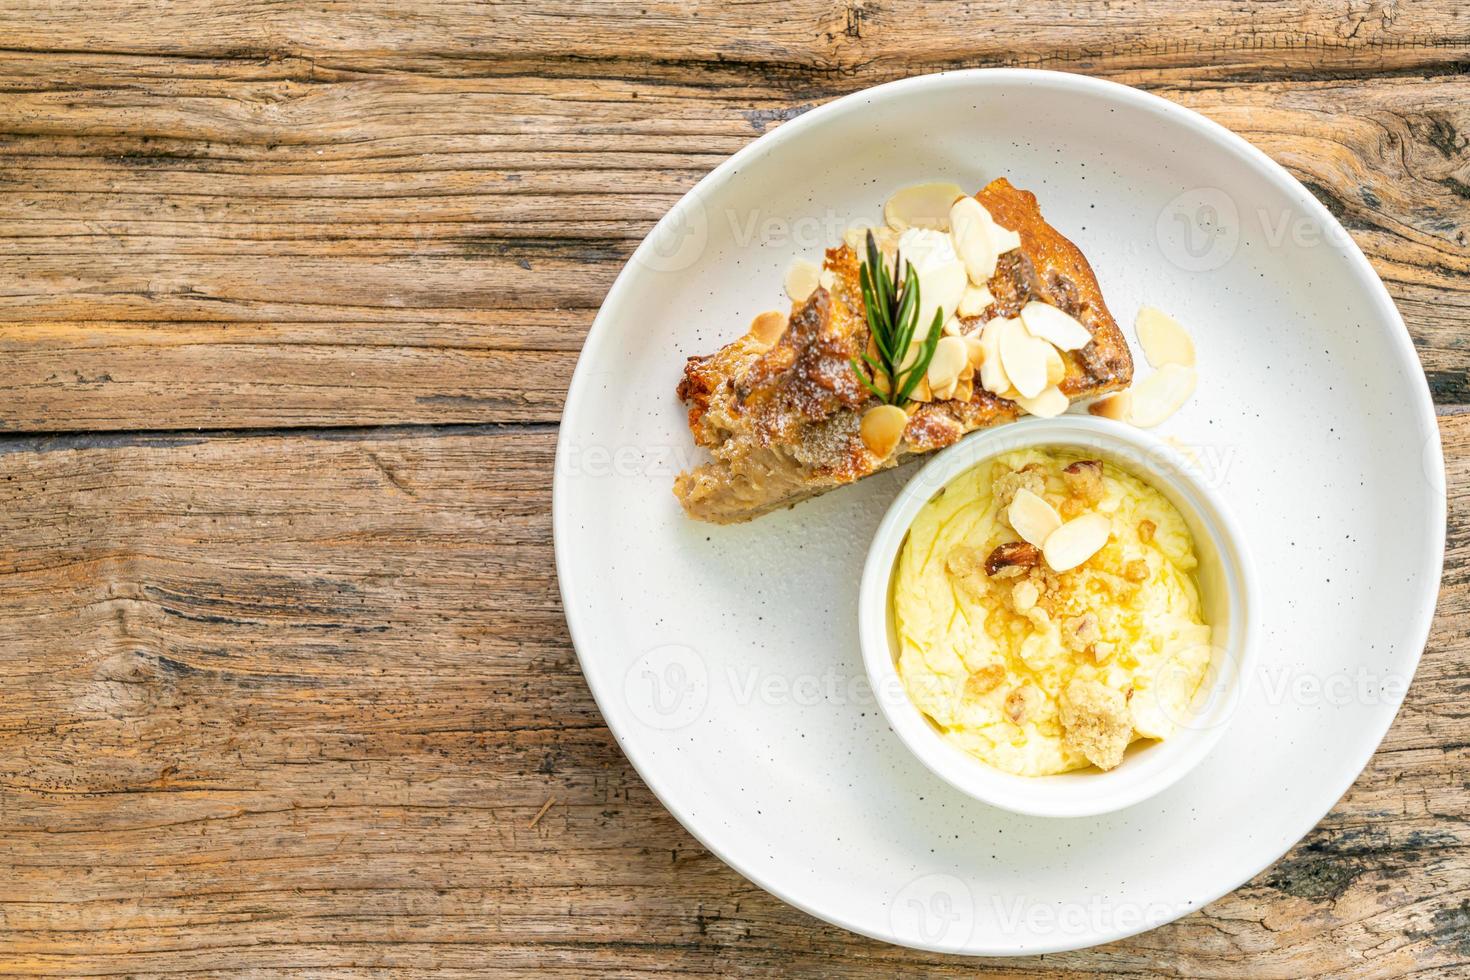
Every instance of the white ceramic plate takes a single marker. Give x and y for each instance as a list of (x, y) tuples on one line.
[(725, 659)]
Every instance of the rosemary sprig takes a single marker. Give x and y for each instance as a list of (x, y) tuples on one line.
[(893, 316)]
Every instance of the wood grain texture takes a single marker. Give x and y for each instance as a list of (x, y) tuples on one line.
[(337, 246), (247, 738), (285, 695)]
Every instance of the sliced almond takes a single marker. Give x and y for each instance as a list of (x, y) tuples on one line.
[(1116, 407), (946, 392), (950, 354), (921, 206), (910, 356), (1055, 325), (1024, 358), (1161, 394), (992, 373), (1047, 405), (801, 280), (882, 427), (768, 327), (1056, 368), (1076, 541), (940, 271), (856, 238), (922, 392), (970, 229), (975, 300), (953, 327), (975, 350), (1033, 518), (964, 390), (940, 288), (1163, 340), (1004, 239)]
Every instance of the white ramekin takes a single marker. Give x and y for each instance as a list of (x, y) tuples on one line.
[(1226, 589)]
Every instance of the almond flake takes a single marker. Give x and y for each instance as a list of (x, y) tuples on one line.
[(768, 327), (970, 227), (1116, 407), (882, 427), (940, 271), (975, 350), (992, 373), (1056, 368), (801, 280), (950, 354), (1024, 358), (1076, 541), (1163, 340), (974, 301), (1161, 394), (1033, 518), (1054, 325), (911, 355), (921, 206), (1047, 405), (856, 238)]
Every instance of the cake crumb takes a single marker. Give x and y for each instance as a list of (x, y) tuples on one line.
[(1095, 722)]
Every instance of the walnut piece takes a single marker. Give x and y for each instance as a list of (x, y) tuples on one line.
[(1080, 632), (1095, 722), (1012, 558), (1022, 702), (1085, 480)]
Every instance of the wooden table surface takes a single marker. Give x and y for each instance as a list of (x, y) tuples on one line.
[(292, 293)]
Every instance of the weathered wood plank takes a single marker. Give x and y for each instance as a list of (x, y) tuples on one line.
[(291, 701), (288, 703), (804, 36), (195, 243)]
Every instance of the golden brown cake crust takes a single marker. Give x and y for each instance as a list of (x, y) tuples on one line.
[(1050, 268), (781, 420)]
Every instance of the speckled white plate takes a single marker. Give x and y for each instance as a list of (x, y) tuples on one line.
[(726, 660)]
